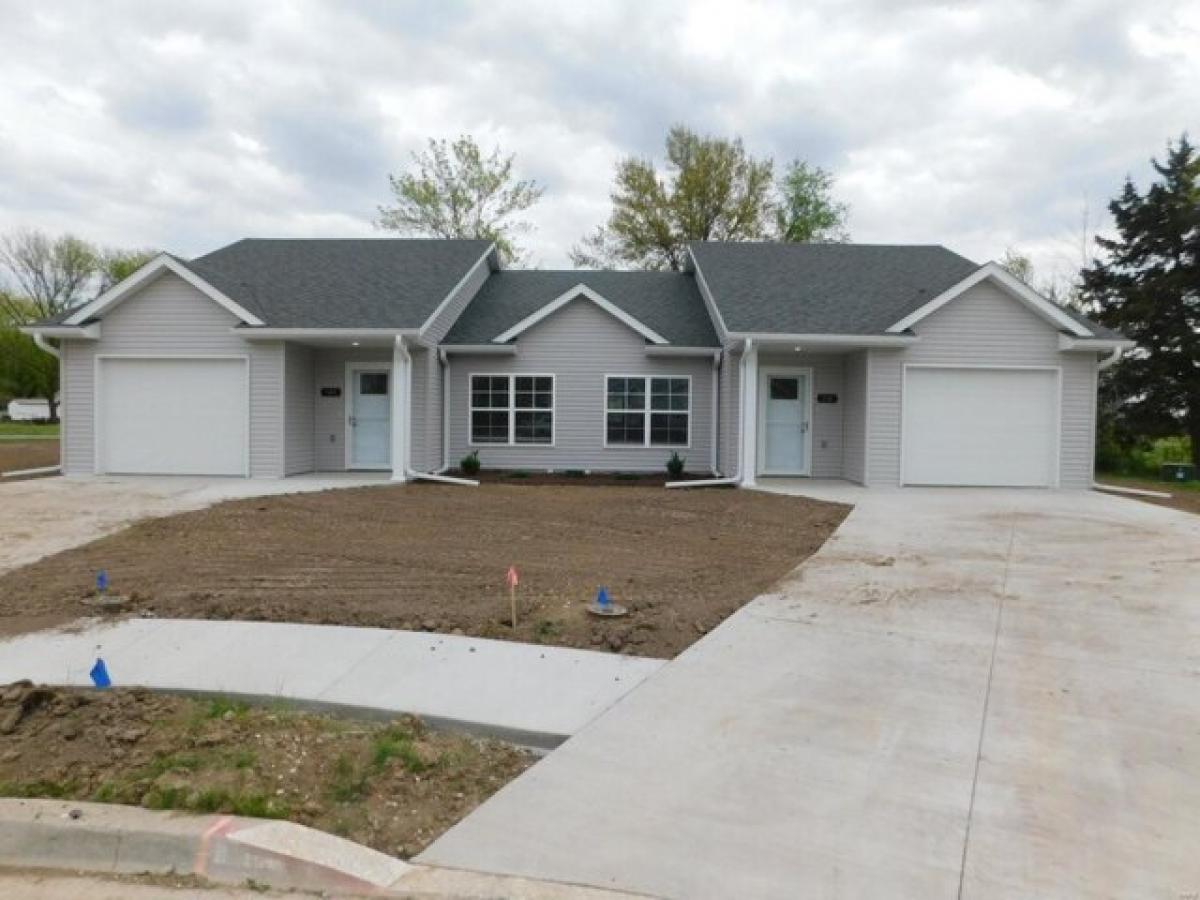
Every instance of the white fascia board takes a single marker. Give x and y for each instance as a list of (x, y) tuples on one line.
[(123, 289), (1065, 342), (710, 302), (828, 340), (476, 349), (489, 256), (75, 332), (580, 290), (266, 333), (1044, 307), (656, 350)]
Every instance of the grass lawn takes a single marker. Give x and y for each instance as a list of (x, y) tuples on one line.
[(22, 453), (1184, 495), (433, 557), (27, 430), (394, 787)]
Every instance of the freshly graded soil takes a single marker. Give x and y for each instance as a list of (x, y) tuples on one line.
[(1185, 497), (434, 557), (17, 455), (395, 787)]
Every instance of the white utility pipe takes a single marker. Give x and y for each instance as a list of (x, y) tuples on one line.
[(716, 417), (701, 482), (441, 479), (40, 343), (1109, 360), (737, 477), (1136, 492)]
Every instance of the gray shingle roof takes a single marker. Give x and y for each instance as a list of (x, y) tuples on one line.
[(355, 283), (667, 302), (830, 288), (824, 288)]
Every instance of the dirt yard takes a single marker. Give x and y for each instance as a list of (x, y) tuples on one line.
[(395, 787), (1184, 496), (17, 455), (434, 557)]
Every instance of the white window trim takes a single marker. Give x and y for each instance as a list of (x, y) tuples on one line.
[(646, 443), (512, 409)]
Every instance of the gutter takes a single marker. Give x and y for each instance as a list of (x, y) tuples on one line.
[(40, 341)]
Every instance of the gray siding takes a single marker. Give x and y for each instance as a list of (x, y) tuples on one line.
[(984, 327), (854, 417), (446, 317), (580, 344), (826, 417), (299, 409), (170, 317), (425, 454)]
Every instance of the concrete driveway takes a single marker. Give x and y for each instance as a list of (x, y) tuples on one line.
[(966, 693), (48, 515)]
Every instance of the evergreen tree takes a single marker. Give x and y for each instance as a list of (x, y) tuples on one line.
[(1148, 288)]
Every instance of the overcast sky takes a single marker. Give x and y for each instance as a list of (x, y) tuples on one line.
[(187, 125)]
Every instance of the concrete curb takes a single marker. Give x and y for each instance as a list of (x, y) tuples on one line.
[(97, 837)]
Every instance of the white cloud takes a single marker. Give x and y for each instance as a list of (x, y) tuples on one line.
[(979, 125)]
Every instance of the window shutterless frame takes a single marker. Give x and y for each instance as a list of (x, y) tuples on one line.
[(647, 412), (510, 409)]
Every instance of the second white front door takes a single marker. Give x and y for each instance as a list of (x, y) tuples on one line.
[(370, 419), (784, 417)]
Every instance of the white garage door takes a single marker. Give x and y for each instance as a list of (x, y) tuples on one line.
[(172, 416), (980, 426)]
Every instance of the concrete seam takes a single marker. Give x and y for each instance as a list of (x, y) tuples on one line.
[(987, 697)]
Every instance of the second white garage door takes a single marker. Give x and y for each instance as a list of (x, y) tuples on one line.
[(172, 416), (986, 427)]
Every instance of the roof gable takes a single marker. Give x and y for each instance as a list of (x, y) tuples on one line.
[(164, 262), (1011, 285), (662, 305), (580, 291)]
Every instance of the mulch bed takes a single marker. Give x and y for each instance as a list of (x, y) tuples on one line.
[(395, 787), (433, 557)]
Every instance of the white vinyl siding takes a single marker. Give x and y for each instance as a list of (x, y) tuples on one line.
[(985, 326), (169, 316), (299, 393), (854, 417), (581, 344)]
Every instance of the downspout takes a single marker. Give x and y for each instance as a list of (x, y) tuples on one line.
[(716, 410), (438, 477), (1109, 360), (444, 360), (736, 478), (41, 343)]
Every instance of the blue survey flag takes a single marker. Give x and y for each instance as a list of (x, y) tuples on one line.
[(102, 580), (602, 598), (99, 674)]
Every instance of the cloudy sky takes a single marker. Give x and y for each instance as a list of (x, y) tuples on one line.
[(978, 125)]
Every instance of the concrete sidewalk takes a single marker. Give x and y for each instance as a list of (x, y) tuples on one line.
[(526, 693), (964, 694)]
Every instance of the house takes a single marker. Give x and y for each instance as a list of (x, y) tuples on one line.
[(884, 365)]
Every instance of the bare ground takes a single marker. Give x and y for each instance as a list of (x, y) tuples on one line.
[(17, 455), (1184, 496), (434, 557), (394, 787)]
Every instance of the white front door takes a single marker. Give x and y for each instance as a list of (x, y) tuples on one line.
[(370, 419), (785, 414)]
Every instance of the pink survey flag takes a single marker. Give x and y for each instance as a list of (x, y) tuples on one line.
[(511, 578)]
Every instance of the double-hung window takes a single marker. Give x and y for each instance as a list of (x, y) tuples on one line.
[(512, 409), (640, 411)]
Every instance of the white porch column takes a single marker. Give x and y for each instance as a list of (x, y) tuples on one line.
[(748, 456), (401, 410)]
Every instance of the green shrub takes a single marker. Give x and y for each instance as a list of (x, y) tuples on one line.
[(675, 465), (1144, 459), (470, 463)]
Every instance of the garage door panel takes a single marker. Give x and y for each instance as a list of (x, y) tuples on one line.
[(173, 416), (987, 427)]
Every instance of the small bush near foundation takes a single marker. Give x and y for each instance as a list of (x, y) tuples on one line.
[(675, 465), (470, 463)]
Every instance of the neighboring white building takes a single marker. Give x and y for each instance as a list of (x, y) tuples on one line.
[(28, 410)]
